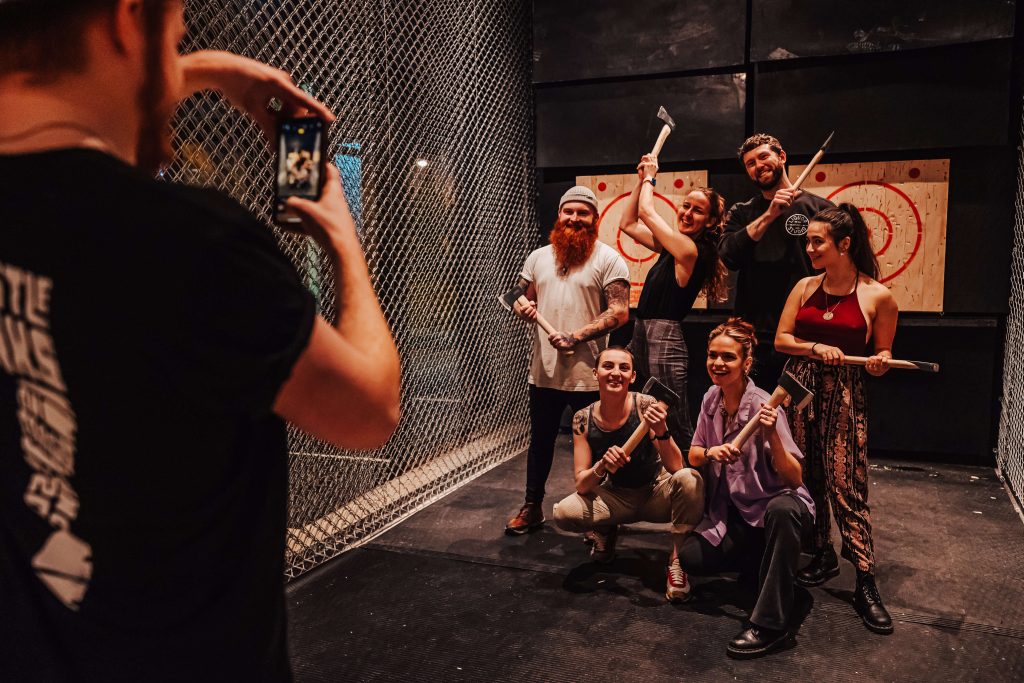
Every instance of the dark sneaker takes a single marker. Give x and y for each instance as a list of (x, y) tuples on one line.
[(821, 568), (530, 518), (603, 548), (868, 604), (677, 585), (755, 641)]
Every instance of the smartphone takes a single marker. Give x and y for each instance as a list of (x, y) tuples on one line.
[(301, 156)]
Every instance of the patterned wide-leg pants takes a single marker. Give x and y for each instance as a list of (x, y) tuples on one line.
[(832, 433)]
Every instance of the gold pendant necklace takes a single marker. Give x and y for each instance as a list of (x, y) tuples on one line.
[(828, 314)]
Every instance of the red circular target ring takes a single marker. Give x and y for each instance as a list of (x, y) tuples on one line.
[(618, 232), (913, 208)]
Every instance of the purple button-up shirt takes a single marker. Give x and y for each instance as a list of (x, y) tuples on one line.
[(750, 482)]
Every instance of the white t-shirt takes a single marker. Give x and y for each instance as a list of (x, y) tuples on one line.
[(568, 303)]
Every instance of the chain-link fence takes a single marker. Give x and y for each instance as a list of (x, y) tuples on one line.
[(1010, 457), (434, 140)]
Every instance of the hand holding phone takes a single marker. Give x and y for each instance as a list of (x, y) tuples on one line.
[(301, 161)]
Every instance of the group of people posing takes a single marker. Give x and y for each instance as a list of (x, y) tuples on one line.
[(807, 296)]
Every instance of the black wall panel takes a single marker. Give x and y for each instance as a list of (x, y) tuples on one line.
[(979, 231), (615, 123), (953, 97), (580, 39), (784, 29)]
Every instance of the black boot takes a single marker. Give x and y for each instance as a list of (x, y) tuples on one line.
[(756, 641), (820, 569), (868, 604)]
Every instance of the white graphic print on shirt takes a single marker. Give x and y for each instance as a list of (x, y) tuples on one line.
[(48, 429)]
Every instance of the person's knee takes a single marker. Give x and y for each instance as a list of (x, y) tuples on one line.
[(782, 510), (568, 513), (688, 482)]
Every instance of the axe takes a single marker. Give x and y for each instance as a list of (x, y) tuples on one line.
[(814, 162), (662, 394), (518, 294), (902, 364), (788, 386), (669, 126)]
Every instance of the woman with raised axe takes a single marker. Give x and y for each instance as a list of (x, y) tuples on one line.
[(757, 507), (613, 487), (840, 312), (687, 265)]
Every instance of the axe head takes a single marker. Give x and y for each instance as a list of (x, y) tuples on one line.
[(798, 393), (663, 115), (509, 298), (660, 392)]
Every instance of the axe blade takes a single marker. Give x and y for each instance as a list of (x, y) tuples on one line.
[(660, 392), (509, 297), (799, 394), (663, 115)]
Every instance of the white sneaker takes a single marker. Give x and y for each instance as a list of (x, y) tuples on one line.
[(677, 587)]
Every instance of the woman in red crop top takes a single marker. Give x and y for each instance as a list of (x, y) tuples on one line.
[(842, 312)]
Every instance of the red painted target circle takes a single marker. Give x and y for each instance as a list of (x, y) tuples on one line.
[(618, 232), (889, 228)]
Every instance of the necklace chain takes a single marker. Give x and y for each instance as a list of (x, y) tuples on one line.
[(830, 312)]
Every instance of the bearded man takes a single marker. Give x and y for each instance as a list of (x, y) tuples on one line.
[(764, 239), (581, 286), (153, 340)]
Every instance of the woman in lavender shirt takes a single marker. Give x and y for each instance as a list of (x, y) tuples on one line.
[(756, 504)]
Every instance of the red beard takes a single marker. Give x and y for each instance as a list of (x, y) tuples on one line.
[(572, 246)]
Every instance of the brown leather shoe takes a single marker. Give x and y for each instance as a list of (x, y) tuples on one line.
[(530, 518)]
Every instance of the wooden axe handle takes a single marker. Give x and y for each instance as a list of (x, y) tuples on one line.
[(665, 130), (893, 363), (778, 396), (636, 437), (803, 176), (545, 325)]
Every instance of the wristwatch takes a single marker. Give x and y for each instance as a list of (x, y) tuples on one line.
[(664, 437), (653, 181)]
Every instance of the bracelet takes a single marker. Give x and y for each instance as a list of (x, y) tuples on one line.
[(664, 437), (599, 464), (813, 352), (706, 454)]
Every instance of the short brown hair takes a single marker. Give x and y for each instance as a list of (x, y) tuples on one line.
[(756, 140), (44, 38)]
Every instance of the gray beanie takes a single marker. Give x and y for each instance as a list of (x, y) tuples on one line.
[(579, 193)]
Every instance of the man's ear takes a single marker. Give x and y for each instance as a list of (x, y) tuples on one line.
[(127, 28), (782, 156)]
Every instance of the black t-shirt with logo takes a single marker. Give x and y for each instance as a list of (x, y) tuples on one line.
[(145, 330), (770, 267)]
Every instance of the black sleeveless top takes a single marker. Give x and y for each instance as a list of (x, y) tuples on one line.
[(662, 298), (644, 465)]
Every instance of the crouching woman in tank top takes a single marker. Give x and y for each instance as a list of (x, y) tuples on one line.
[(649, 485), (844, 311), (757, 506)]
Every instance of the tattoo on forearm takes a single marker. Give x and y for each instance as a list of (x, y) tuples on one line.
[(644, 402), (579, 422), (617, 296)]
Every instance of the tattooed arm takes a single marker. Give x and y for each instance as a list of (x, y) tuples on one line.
[(528, 312), (588, 474), (616, 293)]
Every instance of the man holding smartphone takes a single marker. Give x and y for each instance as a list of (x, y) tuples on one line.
[(153, 340)]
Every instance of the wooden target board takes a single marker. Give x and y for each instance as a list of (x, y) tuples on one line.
[(612, 194), (904, 206)]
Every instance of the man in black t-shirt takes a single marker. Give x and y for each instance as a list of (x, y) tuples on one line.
[(153, 340), (764, 240)]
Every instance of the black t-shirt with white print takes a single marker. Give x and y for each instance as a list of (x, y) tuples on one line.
[(145, 330), (770, 267)]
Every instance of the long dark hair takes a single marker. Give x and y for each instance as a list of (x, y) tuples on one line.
[(845, 221), (714, 287)]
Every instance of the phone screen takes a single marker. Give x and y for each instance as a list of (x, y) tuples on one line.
[(299, 163)]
